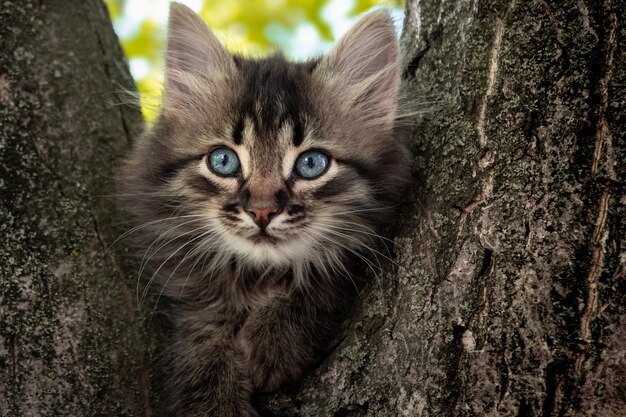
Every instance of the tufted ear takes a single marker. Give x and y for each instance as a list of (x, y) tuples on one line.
[(194, 55), (364, 67)]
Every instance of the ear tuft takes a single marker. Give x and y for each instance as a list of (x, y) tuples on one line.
[(193, 53), (364, 66)]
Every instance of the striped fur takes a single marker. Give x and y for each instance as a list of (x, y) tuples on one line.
[(249, 313)]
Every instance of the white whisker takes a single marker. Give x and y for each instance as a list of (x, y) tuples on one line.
[(167, 260), (182, 261), (144, 260), (367, 262), (376, 252), (147, 224)]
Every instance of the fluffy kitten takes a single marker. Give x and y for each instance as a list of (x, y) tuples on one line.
[(259, 191)]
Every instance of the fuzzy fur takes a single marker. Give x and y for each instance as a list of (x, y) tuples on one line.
[(248, 315)]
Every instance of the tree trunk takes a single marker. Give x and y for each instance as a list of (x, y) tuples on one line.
[(506, 294), (509, 294), (70, 341)]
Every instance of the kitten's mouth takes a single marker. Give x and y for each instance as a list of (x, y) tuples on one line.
[(263, 237)]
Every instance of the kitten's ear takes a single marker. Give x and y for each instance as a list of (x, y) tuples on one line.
[(364, 66), (193, 53)]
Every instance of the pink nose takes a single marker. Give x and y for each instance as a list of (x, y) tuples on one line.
[(263, 216)]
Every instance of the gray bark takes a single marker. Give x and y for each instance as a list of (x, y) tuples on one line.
[(70, 341), (506, 293), (509, 297)]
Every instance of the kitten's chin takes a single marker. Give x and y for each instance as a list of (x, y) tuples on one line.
[(264, 239), (263, 250)]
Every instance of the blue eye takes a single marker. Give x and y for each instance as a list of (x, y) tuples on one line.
[(223, 161), (312, 164)]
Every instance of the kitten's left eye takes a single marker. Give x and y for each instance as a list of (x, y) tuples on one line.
[(223, 162), (312, 164)]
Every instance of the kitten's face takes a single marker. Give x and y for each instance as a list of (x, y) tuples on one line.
[(275, 197), (271, 163), (274, 184)]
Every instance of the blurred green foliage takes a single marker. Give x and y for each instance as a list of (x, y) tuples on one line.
[(242, 24), (247, 20)]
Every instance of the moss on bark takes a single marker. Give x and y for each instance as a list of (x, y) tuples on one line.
[(70, 340)]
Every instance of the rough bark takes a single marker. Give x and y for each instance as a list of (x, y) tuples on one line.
[(508, 297), (70, 341)]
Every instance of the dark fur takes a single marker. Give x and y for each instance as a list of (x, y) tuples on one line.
[(248, 316)]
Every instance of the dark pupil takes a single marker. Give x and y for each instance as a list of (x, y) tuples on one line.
[(309, 162), (224, 160)]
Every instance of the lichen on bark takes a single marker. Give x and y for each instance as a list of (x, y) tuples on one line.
[(70, 340)]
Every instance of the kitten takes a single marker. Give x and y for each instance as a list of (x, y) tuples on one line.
[(259, 190)]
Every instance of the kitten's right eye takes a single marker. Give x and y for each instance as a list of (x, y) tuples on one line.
[(223, 162)]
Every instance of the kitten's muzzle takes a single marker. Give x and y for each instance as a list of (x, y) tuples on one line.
[(263, 216)]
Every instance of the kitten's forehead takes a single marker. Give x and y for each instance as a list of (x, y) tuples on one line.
[(265, 148), (275, 94), (272, 109)]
